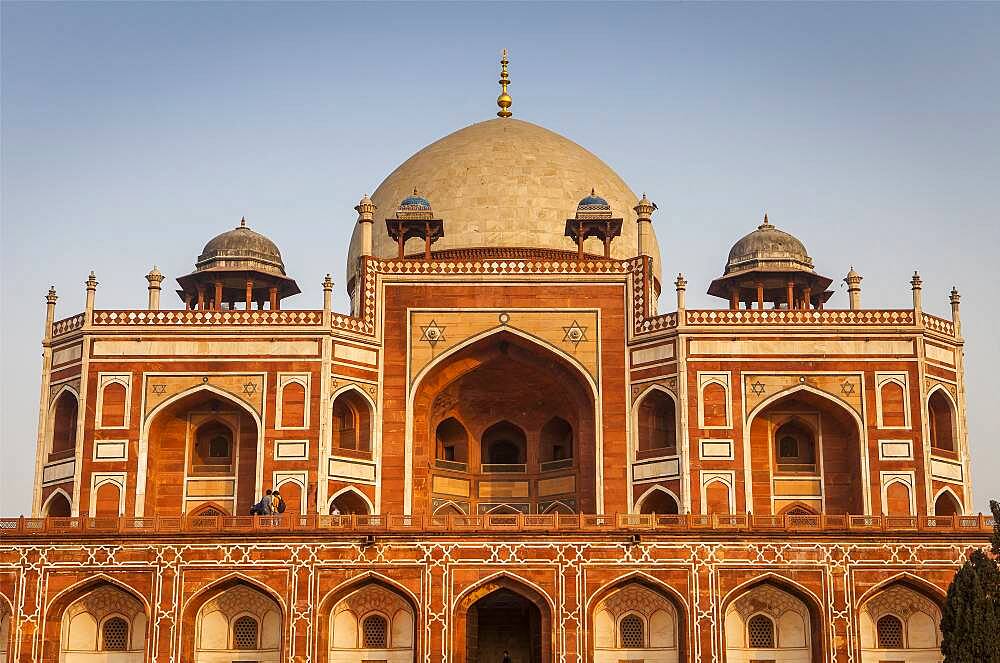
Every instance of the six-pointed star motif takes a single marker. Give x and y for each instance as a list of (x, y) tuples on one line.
[(432, 333), (575, 334), (250, 388), (757, 388)]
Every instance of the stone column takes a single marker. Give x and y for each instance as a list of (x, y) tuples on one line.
[(955, 298), (327, 300), (366, 219), (644, 218), (681, 285), (853, 281), (91, 283), (155, 279), (916, 284)]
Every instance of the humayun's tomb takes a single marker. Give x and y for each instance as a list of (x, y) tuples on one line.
[(504, 445)]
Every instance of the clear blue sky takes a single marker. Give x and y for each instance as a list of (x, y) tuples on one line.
[(134, 132)]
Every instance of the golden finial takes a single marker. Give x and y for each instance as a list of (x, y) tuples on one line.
[(504, 101)]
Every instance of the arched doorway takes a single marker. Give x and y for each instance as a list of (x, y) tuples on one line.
[(942, 422), (768, 622), (234, 622), (635, 621), (899, 623), (202, 449), (5, 616), (810, 447), (57, 506), (349, 503), (100, 622), (507, 423), (503, 615), (947, 504), (658, 501), (371, 622)]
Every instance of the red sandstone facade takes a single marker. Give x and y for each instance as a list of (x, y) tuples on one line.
[(773, 481)]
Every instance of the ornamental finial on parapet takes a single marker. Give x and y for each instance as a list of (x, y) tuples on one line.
[(504, 101)]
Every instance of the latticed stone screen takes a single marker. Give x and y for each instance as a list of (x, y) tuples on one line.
[(890, 632), (376, 632), (114, 634), (245, 633), (760, 632), (631, 632)]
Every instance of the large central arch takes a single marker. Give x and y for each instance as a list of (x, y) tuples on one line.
[(512, 413), (503, 613)]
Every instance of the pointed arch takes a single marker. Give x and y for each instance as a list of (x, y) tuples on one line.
[(350, 490), (656, 490), (151, 416), (207, 508), (510, 580), (349, 587), (921, 586), (948, 493), (817, 632), (642, 578), (860, 429), (55, 613), (942, 419), (667, 440), (558, 506), (63, 424), (449, 508), (227, 581), (47, 504)]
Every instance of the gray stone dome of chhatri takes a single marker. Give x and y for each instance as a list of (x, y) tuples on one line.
[(241, 248)]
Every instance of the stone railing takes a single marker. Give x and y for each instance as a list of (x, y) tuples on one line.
[(656, 323), (61, 327), (978, 525), (193, 318), (833, 318), (946, 327)]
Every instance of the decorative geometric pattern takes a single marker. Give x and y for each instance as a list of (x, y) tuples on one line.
[(245, 633), (632, 636), (114, 635), (758, 388), (889, 632), (375, 630), (575, 334), (760, 632), (432, 333)]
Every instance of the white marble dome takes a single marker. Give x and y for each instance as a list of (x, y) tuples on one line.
[(503, 183)]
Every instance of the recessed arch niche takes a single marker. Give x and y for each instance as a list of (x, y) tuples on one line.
[(522, 406)]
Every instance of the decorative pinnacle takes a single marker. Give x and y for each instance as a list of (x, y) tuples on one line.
[(916, 282), (681, 282), (243, 222), (644, 208), (504, 101), (366, 209), (766, 224), (154, 277), (853, 278), (91, 281), (955, 297), (51, 297), (328, 283)]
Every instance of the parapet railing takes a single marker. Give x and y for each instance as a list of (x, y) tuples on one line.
[(490, 523)]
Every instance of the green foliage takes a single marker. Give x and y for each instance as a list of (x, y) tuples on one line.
[(971, 618)]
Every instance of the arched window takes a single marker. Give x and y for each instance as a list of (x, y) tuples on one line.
[(64, 423), (942, 422), (893, 404), (375, 632), (631, 632), (717, 498), (114, 635), (897, 499), (351, 423), (451, 441), (503, 444), (657, 423), (658, 501), (714, 401), (760, 632), (58, 507), (889, 632), (245, 632), (349, 503), (113, 405), (293, 405), (795, 448), (557, 440), (947, 505), (213, 449)]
